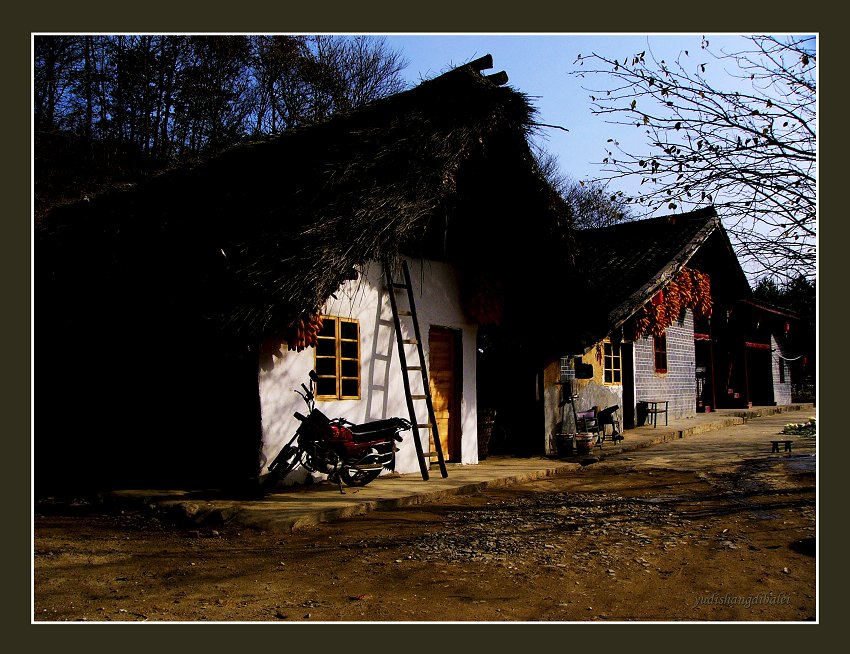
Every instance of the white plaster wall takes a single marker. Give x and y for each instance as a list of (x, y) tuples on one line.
[(437, 302)]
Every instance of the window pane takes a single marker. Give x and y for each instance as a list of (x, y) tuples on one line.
[(348, 330), (348, 349), (349, 368), (326, 366), (326, 347), (350, 388), (328, 327), (326, 386)]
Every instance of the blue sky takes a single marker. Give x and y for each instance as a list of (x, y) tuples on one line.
[(539, 65)]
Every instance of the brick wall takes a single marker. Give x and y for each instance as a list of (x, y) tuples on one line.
[(781, 392), (678, 384)]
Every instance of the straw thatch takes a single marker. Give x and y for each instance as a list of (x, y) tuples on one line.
[(249, 241)]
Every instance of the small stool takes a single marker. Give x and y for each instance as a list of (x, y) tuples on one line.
[(775, 445)]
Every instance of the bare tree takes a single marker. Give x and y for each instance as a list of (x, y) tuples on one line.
[(56, 58), (348, 72), (283, 92), (111, 108), (591, 203), (742, 139)]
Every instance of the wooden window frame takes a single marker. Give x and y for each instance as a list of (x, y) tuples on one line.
[(659, 349), (338, 340), (612, 364)]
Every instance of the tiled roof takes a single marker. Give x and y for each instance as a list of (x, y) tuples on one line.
[(625, 264)]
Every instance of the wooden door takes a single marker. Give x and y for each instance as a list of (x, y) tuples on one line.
[(445, 382)]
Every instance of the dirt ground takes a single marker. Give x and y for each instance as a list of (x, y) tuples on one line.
[(627, 539)]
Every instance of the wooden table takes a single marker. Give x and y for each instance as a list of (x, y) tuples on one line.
[(652, 411)]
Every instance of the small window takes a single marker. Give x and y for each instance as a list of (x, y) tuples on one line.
[(338, 359), (781, 371), (612, 363), (660, 347)]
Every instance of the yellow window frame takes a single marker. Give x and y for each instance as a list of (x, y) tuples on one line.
[(339, 342), (612, 364)]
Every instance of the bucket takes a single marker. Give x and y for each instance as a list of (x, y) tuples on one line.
[(564, 444), (583, 442)]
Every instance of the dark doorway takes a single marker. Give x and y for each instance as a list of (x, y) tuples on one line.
[(628, 363), (760, 376)]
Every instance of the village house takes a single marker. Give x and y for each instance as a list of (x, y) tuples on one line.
[(170, 316), (667, 328), (175, 318), (756, 369), (359, 370)]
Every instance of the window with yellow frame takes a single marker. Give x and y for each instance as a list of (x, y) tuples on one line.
[(612, 363), (337, 359)]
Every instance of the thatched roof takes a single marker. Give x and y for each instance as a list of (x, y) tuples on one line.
[(249, 240), (626, 264)]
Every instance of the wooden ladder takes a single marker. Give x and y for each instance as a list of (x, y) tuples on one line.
[(431, 425)]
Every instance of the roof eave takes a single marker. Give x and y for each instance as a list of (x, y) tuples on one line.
[(618, 316)]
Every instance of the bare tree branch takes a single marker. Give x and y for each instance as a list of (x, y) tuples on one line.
[(742, 139)]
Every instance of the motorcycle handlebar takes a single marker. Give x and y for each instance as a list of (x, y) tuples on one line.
[(299, 416)]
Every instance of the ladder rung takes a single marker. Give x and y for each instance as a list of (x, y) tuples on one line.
[(414, 367), (399, 285), (430, 455), (418, 397), (404, 312), (410, 341), (425, 426)]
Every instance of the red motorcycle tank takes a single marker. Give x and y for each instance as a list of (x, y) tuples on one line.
[(340, 434)]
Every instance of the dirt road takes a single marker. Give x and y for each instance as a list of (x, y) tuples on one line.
[(709, 528)]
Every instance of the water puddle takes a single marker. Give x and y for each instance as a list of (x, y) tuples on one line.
[(801, 463), (764, 515)]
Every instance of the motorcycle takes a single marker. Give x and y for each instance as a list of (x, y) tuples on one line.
[(347, 453)]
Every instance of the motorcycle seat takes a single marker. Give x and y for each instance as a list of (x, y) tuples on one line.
[(389, 424)]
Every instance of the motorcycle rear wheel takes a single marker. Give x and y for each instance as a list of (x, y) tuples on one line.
[(355, 477)]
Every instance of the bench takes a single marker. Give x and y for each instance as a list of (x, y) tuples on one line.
[(775, 445)]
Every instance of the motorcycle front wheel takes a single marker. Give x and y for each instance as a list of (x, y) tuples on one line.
[(357, 477), (283, 465)]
